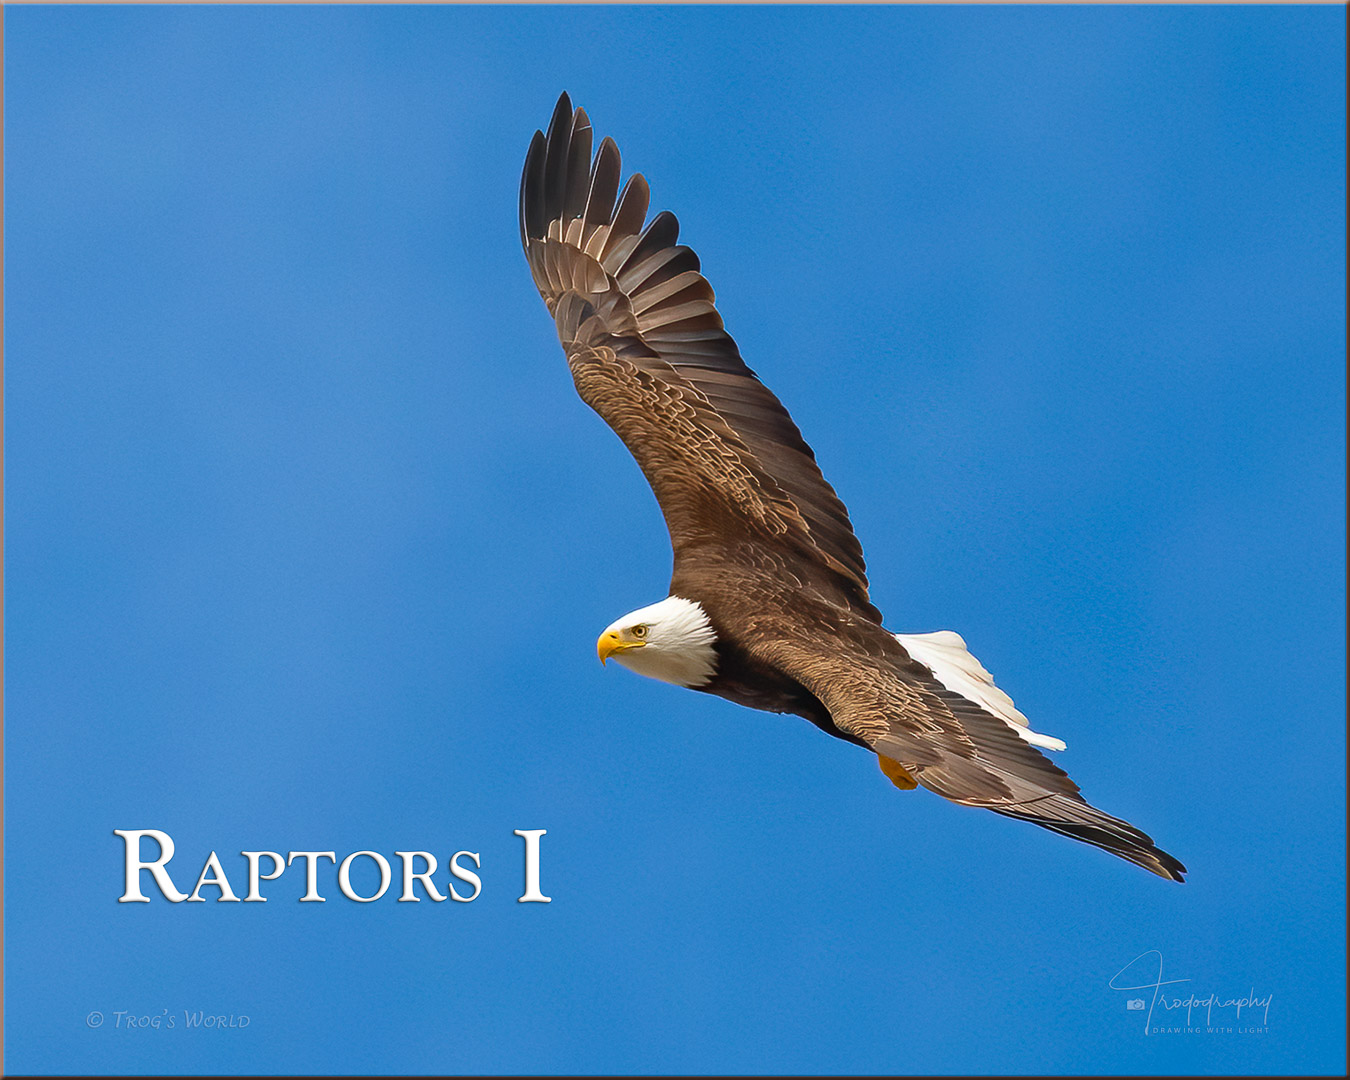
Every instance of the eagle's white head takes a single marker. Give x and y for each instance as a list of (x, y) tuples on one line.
[(671, 641)]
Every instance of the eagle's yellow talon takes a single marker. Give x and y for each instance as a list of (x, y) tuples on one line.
[(897, 774)]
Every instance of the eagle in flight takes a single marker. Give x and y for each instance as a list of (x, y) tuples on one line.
[(768, 602)]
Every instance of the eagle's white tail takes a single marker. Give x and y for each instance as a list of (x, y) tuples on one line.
[(944, 653)]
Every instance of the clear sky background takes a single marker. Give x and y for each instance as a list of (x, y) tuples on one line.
[(310, 538)]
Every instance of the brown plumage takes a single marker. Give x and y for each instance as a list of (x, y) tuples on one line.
[(763, 546)]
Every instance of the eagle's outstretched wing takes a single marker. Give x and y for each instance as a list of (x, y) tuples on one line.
[(648, 352), (879, 694)]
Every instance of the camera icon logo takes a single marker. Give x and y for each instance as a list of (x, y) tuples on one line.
[(1135, 1005)]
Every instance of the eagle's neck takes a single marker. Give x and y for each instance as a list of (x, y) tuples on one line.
[(679, 646)]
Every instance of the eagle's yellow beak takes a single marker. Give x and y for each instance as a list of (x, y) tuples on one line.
[(610, 643)]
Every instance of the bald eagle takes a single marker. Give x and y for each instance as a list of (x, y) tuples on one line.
[(768, 602)]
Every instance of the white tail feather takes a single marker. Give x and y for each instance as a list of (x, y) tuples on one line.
[(944, 653)]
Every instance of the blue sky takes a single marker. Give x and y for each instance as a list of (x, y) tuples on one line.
[(309, 538)]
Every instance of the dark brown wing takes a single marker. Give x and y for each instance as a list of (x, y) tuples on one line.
[(985, 763), (874, 691), (615, 287)]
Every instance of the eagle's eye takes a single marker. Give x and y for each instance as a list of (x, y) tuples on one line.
[(639, 632)]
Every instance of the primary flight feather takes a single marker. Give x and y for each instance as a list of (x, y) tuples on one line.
[(768, 602)]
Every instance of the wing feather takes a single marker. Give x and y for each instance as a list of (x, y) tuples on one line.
[(604, 189), (626, 227), (533, 213)]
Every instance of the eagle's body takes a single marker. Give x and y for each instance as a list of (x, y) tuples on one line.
[(768, 603)]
